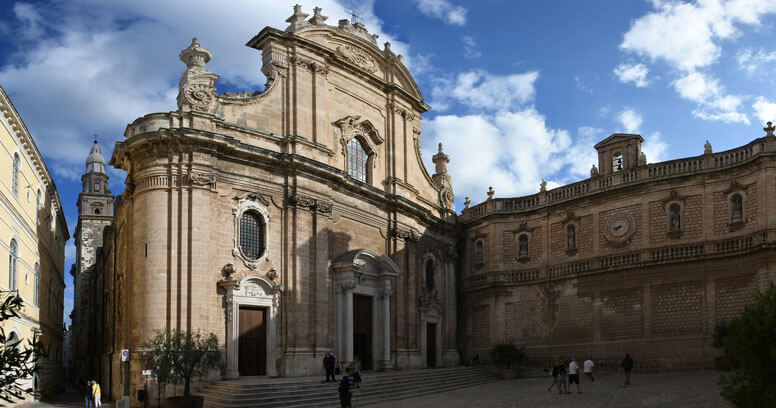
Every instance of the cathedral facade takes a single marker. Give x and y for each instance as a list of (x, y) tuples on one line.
[(289, 222)]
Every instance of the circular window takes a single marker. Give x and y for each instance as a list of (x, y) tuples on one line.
[(252, 235)]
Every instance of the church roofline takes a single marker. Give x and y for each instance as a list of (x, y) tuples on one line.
[(686, 166)]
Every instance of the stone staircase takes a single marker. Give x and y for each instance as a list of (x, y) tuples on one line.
[(310, 392)]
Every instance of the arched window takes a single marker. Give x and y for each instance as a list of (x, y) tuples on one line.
[(37, 209), (736, 208), (97, 211), (675, 217), (12, 340), (17, 165), (479, 257), (430, 275), (522, 246), (252, 234), (357, 160), (12, 261), (36, 281)]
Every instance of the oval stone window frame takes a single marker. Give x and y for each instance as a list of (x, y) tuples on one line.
[(251, 203)]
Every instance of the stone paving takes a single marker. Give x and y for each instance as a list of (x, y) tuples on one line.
[(681, 389)]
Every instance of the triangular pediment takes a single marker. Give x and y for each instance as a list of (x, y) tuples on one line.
[(618, 138)]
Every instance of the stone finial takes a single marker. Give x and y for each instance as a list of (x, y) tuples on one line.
[(195, 57), (543, 186), (440, 160), (769, 129), (467, 203), (594, 171), (490, 193), (707, 148), (317, 18), (297, 20)]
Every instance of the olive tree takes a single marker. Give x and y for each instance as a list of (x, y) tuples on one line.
[(178, 356)]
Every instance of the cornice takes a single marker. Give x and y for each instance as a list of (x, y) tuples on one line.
[(19, 128)]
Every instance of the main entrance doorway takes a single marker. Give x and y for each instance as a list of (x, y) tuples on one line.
[(253, 341), (430, 345), (362, 330)]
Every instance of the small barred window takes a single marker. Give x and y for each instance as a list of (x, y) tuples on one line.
[(252, 235)]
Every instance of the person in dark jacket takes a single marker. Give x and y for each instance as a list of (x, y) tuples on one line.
[(329, 364), (345, 389), (627, 365), (556, 382), (86, 392)]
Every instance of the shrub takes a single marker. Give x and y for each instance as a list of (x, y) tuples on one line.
[(179, 356), (749, 342), (507, 355)]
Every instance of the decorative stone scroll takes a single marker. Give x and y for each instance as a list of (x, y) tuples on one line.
[(202, 179), (311, 204), (358, 57), (406, 235)]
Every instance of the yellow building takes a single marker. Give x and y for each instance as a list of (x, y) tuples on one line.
[(33, 233)]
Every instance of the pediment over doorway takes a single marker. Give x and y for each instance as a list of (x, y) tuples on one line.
[(365, 263)]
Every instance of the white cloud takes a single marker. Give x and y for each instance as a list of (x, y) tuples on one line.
[(654, 148), (443, 10), (713, 103), (764, 109), (687, 36), (636, 73), (630, 120), (92, 66), (481, 90), (750, 61), (470, 49)]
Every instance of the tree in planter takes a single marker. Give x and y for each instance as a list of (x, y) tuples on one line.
[(506, 355), (749, 342), (16, 363), (179, 356)]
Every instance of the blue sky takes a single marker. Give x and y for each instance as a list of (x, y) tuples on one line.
[(520, 90)]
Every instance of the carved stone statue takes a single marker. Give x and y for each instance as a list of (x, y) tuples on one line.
[(571, 237), (594, 171), (707, 148)]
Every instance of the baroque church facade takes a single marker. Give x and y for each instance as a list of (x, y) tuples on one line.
[(289, 222), (301, 219)]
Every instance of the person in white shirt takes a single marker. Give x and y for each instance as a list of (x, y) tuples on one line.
[(573, 375), (588, 367)]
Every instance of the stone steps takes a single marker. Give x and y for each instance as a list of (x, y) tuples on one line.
[(310, 392)]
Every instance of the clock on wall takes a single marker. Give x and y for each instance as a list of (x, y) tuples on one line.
[(620, 228)]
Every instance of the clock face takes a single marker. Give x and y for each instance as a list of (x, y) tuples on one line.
[(620, 228)]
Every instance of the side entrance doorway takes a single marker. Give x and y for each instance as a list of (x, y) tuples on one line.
[(252, 341), (431, 345), (362, 330)]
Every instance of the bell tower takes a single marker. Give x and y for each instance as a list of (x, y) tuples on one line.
[(95, 209)]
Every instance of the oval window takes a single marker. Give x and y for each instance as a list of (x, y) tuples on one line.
[(252, 235)]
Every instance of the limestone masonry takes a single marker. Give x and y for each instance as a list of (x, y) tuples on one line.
[(301, 219)]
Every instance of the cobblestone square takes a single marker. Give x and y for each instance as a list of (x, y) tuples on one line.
[(678, 389)]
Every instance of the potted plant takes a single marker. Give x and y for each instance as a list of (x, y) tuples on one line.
[(506, 357), (178, 356)]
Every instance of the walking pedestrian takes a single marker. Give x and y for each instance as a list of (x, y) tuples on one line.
[(96, 392), (86, 392), (345, 389), (627, 365), (555, 380), (562, 377), (354, 368), (329, 363), (589, 367), (573, 376)]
